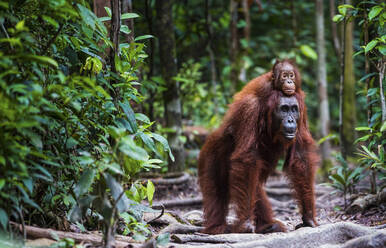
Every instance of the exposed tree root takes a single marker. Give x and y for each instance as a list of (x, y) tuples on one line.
[(341, 234), (363, 202), (179, 203), (170, 181), (36, 232), (180, 228)]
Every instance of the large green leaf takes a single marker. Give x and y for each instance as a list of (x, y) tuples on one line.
[(85, 182), (130, 115), (123, 203), (129, 148), (374, 12), (371, 45), (308, 51), (150, 189), (164, 143), (3, 219), (129, 16)]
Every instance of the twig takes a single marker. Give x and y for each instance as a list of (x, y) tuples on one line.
[(159, 216)]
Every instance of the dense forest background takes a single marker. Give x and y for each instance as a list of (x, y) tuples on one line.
[(95, 93)]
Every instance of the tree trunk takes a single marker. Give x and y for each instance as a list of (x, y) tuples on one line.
[(367, 66), (334, 31), (99, 7), (294, 23), (149, 20), (324, 113), (234, 47), (127, 7), (171, 96), (348, 96), (246, 37), (210, 48), (381, 69)]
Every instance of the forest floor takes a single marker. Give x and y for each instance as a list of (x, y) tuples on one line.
[(182, 201), (362, 224)]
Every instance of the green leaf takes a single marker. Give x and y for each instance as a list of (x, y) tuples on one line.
[(383, 128), (50, 21), (108, 11), (328, 137), (2, 183), (129, 148), (343, 8), (338, 18), (105, 18), (308, 51), (338, 179), (71, 142), (28, 183), (142, 117), (20, 26), (363, 128), (163, 239), (85, 182), (374, 12), (147, 141), (382, 49), (372, 91), (125, 29), (40, 59), (3, 219), (129, 16), (87, 15), (364, 138), (367, 76), (150, 189), (164, 143), (142, 37), (130, 115), (116, 190), (371, 45)]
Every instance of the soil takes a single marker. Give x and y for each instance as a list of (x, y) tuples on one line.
[(329, 205)]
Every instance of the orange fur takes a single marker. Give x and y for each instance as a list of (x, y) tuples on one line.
[(238, 157)]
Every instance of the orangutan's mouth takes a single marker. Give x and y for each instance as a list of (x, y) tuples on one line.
[(289, 136), (289, 92)]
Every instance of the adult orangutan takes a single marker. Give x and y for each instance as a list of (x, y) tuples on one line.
[(263, 123)]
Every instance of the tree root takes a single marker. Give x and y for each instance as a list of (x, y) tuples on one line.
[(36, 232), (180, 228), (179, 203), (171, 181), (339, 234), (364, 202)]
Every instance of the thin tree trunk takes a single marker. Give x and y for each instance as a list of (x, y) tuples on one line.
[(213, 70), (127, 7), (324, 113), (114, 37), (348, 110), (334, 31), (381, 69), (149, 20), (246, 36), (171, 96), (367, 67), (234, 48), (341, 82), (294, 23), (109, 230)]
